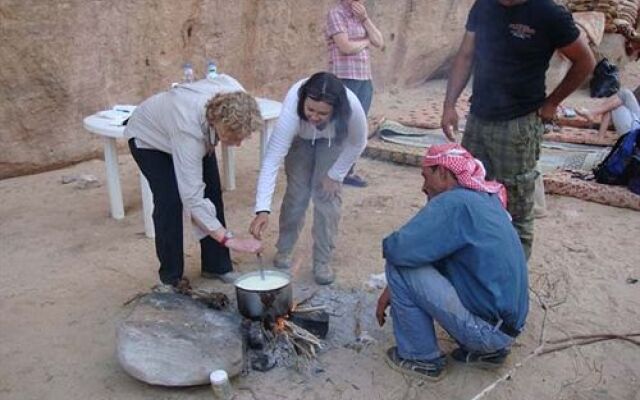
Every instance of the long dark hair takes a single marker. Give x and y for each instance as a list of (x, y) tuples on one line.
[(326, 87)]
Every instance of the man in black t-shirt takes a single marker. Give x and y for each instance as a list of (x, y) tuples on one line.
[(507, 46)]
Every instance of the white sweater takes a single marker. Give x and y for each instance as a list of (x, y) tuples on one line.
[(174, 122), (289, 125)]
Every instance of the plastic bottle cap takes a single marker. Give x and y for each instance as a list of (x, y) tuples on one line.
[(218, 377)]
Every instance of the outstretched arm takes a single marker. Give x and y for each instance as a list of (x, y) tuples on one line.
[(460, 73)]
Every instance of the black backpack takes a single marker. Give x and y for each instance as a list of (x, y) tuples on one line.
[(606, 79), (622, 164)]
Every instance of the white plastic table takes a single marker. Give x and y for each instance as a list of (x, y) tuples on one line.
[(270, 110)]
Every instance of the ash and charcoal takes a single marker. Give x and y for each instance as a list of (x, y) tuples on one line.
[(352, 315), (265, 349), (341, 318)]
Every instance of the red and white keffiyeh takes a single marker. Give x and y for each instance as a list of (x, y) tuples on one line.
[(468, 170)]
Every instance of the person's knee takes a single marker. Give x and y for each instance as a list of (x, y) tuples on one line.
[(326, 205), (392, 274), (296, 199), (626, 96), (412, 277)]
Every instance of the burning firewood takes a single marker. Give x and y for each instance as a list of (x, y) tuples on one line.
[(302, 334), (309, 309), (290, 343)]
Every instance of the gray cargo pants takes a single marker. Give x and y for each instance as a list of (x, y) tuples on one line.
[(305, 165)]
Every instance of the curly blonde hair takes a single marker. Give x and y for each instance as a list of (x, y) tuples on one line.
[(237, 111)]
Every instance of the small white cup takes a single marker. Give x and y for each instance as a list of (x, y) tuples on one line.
[(220, 385)]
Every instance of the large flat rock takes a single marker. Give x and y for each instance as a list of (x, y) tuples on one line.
[(172, 340)]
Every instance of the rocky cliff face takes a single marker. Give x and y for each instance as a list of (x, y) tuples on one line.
[(64, 60)]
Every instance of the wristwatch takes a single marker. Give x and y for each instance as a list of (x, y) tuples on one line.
[(227, 235)]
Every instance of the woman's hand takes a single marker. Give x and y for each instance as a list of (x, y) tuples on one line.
[(259, 224), (329, 188), (383, 302), (244, 245), (359, 11)]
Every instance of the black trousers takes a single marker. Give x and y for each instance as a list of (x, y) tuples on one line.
[(157, 167)]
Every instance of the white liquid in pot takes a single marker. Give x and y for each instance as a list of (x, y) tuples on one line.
[(256, 283)]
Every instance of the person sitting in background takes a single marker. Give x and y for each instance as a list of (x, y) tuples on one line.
[(622, 108), (172, 136), (458, 262)]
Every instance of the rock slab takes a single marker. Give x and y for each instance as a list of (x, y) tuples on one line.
[(172, 340)]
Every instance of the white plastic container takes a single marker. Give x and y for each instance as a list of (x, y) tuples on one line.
[(187, 71), (220, 385), (212, 69)]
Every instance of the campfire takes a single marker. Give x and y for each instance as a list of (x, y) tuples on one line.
[(293, 339)]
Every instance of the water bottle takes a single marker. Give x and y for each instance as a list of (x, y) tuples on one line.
[(212, 69), (187, 70)]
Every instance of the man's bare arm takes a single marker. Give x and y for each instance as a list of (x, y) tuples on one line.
[(460, 73), (583, 62)]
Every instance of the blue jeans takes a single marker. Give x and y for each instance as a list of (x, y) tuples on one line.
[(364, 92), (421, 295)]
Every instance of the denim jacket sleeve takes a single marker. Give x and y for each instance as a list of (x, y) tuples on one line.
[(431, 235)]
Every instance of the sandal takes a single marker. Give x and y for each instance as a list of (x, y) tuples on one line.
[(354, 180)]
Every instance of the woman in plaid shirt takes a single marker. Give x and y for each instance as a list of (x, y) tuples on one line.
[(350, 32)]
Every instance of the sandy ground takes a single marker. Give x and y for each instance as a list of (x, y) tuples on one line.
[(67, 268)]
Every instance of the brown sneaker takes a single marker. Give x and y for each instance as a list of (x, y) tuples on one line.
[(323, 274), (164, 288), (432, 370)]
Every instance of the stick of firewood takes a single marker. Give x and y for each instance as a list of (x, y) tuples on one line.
[(594, 336), (134, 298), (509, 374), (541, 350), (300, 347), (309, 309), (302, 334)]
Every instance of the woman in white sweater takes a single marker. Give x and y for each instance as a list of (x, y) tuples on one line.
[(172, 136), (321, 132)]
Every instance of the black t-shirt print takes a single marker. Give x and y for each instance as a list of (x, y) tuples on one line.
[(513, 46)]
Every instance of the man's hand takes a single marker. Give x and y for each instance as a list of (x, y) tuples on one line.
[(259, 224), (329, 188), (548, 112), (245, 245), (359, 11), (449, 122), (383, 302)]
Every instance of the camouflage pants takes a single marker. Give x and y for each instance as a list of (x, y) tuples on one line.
[(509, 151)]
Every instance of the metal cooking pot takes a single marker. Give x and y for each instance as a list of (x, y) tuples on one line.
[(258, 304)]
